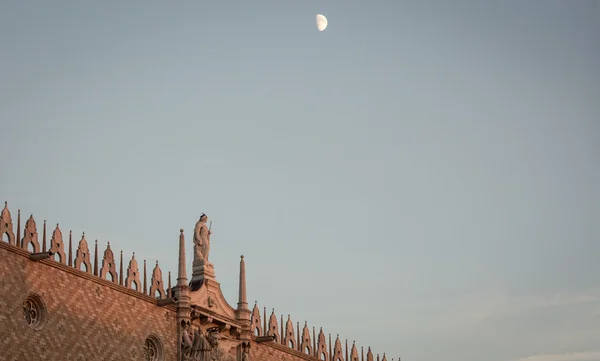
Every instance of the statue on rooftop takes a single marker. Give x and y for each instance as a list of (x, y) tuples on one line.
[(202, 240)]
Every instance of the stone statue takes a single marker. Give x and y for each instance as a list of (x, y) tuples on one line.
[(201, 349), (217, 353), (245, 351), (202, 240), (194, 346), (186, 343)]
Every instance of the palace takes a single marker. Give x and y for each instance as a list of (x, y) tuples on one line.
[(60, 306)]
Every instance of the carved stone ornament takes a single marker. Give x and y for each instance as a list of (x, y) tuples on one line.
[(34, 312), (202, 346), (153, 350)]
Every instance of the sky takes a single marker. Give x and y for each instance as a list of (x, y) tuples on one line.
[(422, 177)]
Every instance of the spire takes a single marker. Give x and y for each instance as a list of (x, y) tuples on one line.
[(19, 240), (44, 238), (265, 333), (314, 343), (169, 294), (346, 357), (243, 313), (145, 286), (70, 248), (298, 335), (242, 304), (96, 259), (282, 333), (121, 270), (181, 277)]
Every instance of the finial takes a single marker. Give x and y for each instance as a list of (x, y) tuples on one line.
[(108, 243), (305, 323), (5, 203), (181, 230), (242, 256), (255, 302), (44, 221), (56, 225), (157, 262)]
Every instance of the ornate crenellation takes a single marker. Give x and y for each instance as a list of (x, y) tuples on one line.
[(255, 322), (133, 275), (109, 266), (354, 353), (306, 346), (273, 327), (55, 257), (338, 353), (156, 282), (369, 355), (30, 236), (322, 351), (289, 339), (56, 245), (6, 226), (82, 256)]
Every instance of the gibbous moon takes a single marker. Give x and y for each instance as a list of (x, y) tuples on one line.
[(321, 22)]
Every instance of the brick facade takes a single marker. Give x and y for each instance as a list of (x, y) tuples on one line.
[(87, 318), (91, 312)]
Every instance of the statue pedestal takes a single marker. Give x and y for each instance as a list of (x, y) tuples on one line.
[(201, 271)]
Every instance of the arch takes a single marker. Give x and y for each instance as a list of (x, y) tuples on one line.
[(323, 356), (153, 348), (134, 285), (256, 331), (307, 350), (6, 238), (109, 277), (34, 312), (291, 344)]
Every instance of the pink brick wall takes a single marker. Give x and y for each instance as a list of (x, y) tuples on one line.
[(87, 318)]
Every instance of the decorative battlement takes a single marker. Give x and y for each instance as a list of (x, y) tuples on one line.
[(82, 261), (316, 346)]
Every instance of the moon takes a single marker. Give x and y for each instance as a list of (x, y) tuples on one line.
[(321, 22)]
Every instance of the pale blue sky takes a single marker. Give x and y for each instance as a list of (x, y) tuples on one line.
[(422, 177)]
